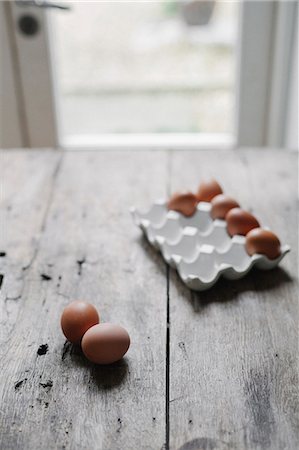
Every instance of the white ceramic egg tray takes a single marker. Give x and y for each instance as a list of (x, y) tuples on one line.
[(199, 247)]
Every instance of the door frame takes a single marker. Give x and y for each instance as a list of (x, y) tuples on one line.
[(27, 63)]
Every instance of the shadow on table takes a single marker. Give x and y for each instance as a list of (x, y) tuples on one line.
[(101, 377), (110, 376), (152, 253), (224, 290)]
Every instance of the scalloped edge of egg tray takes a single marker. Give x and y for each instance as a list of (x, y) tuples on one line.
[(198, 247)]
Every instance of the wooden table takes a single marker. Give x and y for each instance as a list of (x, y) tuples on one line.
[(214, 370)]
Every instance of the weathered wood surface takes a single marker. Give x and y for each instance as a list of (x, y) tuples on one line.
[(215, 370), (86, 248), (233, 349)]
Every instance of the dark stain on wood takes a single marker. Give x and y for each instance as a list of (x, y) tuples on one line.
[(45, 277), (18, 384), (47, 385), (119, 425), (42, 349), (59, 281), (80, 263)]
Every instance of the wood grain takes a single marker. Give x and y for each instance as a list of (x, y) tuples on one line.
[(214, 370), (27, 183), (51, 397), (233, 349)]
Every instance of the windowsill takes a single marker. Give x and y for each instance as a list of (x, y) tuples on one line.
[(186, 141)]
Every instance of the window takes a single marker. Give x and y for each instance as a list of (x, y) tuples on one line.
[(146, 67)]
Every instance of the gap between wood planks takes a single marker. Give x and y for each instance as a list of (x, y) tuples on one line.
[(167, 360), (167, 372)]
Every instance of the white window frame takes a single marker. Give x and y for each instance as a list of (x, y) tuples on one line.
[(266, 52), (264, 59)]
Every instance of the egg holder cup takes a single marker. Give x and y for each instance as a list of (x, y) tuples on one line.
[(198, 247)]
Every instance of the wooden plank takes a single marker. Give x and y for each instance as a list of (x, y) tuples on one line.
[(51, 397), (233, 349), (232, 373), (27, 180)]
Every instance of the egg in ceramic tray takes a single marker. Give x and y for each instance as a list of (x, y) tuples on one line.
[(204, 240)]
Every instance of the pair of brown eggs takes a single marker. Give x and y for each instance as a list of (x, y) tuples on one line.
[(186, 203), (101, 343), (226, 208)]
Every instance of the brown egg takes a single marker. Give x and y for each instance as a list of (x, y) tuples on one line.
[(221, 204), (240, 222), (207, 190), (77, 318), (105, 343), (264, 242), (183, 203)]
